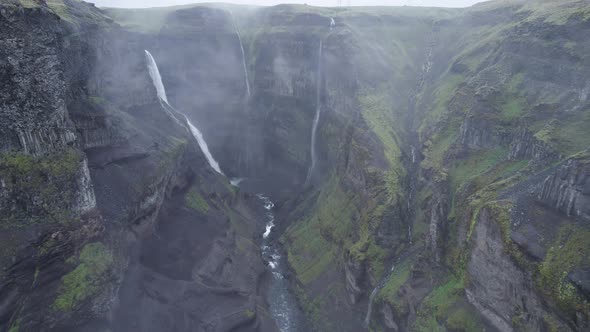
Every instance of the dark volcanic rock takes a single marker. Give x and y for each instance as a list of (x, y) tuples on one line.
[(567, 189)]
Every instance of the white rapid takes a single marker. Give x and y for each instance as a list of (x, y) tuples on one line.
[(316, 118), (282, 303), (332, 23), (161, 91), (236, 181), (243, 56)]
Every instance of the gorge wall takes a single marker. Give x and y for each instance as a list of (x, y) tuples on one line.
[(451, 190)]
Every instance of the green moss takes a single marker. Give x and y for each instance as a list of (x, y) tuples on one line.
[(399, 276), (571, 250), (551, 324), (556, 12), (29, 3), (87, 279), (333, 227), (311, 307), (96, 100), (43, 188), (571, 135), (15, 326), (61, 9), (437, 147), (249, 313), (568, 134), (445, 308), (195, 201), (475, 165), (512, 108), (442, 297), (377, 113), (462, 319), (443, 95), (313, 242)]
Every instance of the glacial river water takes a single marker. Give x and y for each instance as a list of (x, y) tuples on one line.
[(283, 304)]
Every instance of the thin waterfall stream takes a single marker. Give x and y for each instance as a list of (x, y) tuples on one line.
[(316, 118), (376, 290), (243, 55), (161, 91)]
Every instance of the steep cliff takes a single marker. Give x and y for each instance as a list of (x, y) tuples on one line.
[(106, 202), (450, 191)]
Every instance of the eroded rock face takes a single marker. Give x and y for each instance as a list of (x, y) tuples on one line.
[(568, 189), (354, 274), (525, 145), (437, 225), (80, 119), (497, 286), (33, 94)]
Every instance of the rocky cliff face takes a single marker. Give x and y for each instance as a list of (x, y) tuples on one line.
[(567, 189), (106, 201), (451, 192)]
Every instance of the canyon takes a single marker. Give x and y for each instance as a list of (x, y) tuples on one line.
[(218, 167)]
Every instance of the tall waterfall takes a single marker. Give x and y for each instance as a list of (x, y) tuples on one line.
[(161, 91), (316, 118), (203, 145), (155, 75), (243, 56)]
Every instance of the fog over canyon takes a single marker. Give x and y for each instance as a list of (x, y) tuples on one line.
[(230, 167)]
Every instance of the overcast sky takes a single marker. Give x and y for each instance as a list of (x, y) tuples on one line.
[(158, 3)]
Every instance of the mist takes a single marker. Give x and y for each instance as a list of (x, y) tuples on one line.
[(323, 3), (374, 165)]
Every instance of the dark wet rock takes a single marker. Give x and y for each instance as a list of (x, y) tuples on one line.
[(525, 145), (354, 274), (498, 288), (567, 189), (528, 238), (438, 212), (581, 278)]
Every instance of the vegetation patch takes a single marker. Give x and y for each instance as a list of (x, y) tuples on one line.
[(445, 308), (313, 241), (568, 252), (437, 147), (512, 108), (475, 165), (378, 115), (41, 188), (15, 326), (399, 276), (87, 279), (249, 313), (443, 95), (195, 201), (572, 135)]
